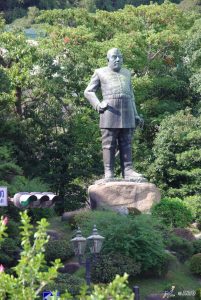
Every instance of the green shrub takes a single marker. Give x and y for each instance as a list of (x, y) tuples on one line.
[(195, 264), (20, 183), (137, 237), (11, 211), (183, 248), (108, 266), (194, 205), (74, 198), (198, 294), (13, 14), (68, 282), (5, 260), (197, 246), (31, 271), (173, 212), (161, 269), (37, 213), (82, 218), (13, 229), (117, 290), (9, 252), (58, 249), (199, 223)]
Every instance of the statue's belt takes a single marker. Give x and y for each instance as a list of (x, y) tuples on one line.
[(117, 96)]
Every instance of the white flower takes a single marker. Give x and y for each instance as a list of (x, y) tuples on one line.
[(3, 52), (56, 61), (65, 79), (36, 70), (55, 75), (32, 43), (186, 59)]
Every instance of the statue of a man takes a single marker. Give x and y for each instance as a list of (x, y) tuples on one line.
[(118, 114)]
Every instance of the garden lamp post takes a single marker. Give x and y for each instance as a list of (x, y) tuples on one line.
[(95, 242)]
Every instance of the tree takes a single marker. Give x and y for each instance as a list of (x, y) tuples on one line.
[(192, 58), (190, 5), (177, 151)]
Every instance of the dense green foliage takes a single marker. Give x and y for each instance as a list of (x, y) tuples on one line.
[(183, 248), (9, 252), (58, 249), (177, 153), (31, 273), (173, 212), (116, 290), (195, 264), (198, 295), (194, 204), (108, 266), (18, 8), (37, 214), (144, 247), (197, 246), (66, 282)]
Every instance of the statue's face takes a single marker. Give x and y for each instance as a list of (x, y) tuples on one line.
[(115, 60)]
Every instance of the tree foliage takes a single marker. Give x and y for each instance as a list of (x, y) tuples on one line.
[(177, 153), (47, 126), (193, 57)]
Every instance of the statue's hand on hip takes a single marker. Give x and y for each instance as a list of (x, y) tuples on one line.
[(102, 107), (139, 121)]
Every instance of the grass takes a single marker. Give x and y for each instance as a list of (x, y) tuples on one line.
[(178, 275)]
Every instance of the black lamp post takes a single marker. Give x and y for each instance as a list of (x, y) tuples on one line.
[(95, 242)]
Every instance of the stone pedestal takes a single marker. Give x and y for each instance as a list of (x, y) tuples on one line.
[(121, 195)]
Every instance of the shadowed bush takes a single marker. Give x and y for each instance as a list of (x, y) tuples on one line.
[(58, 249), (195, 264), (109, 265), (173, 212)]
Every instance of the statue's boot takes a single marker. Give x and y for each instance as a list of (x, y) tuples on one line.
[(126, 163), (108, 160)]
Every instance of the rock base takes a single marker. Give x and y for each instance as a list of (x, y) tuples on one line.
[(121, 195)]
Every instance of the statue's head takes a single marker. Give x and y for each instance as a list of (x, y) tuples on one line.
[(115, 59)]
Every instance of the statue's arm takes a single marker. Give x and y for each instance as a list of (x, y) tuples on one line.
[(133, 101), (90, 91), (139, 120)]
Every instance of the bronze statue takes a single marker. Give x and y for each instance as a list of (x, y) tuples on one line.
[(118, 113)]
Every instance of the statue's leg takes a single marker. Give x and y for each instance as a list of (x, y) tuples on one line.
[(109, 146), (125, 148)]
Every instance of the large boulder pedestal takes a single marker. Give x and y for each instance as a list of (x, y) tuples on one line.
[(122, 195)]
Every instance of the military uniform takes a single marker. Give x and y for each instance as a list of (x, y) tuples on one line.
[(118, 93), (118, 121)]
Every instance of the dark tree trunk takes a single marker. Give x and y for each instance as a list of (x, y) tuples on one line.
[(18, 102)]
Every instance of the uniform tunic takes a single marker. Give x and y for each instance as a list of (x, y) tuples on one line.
[(117, 91)]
